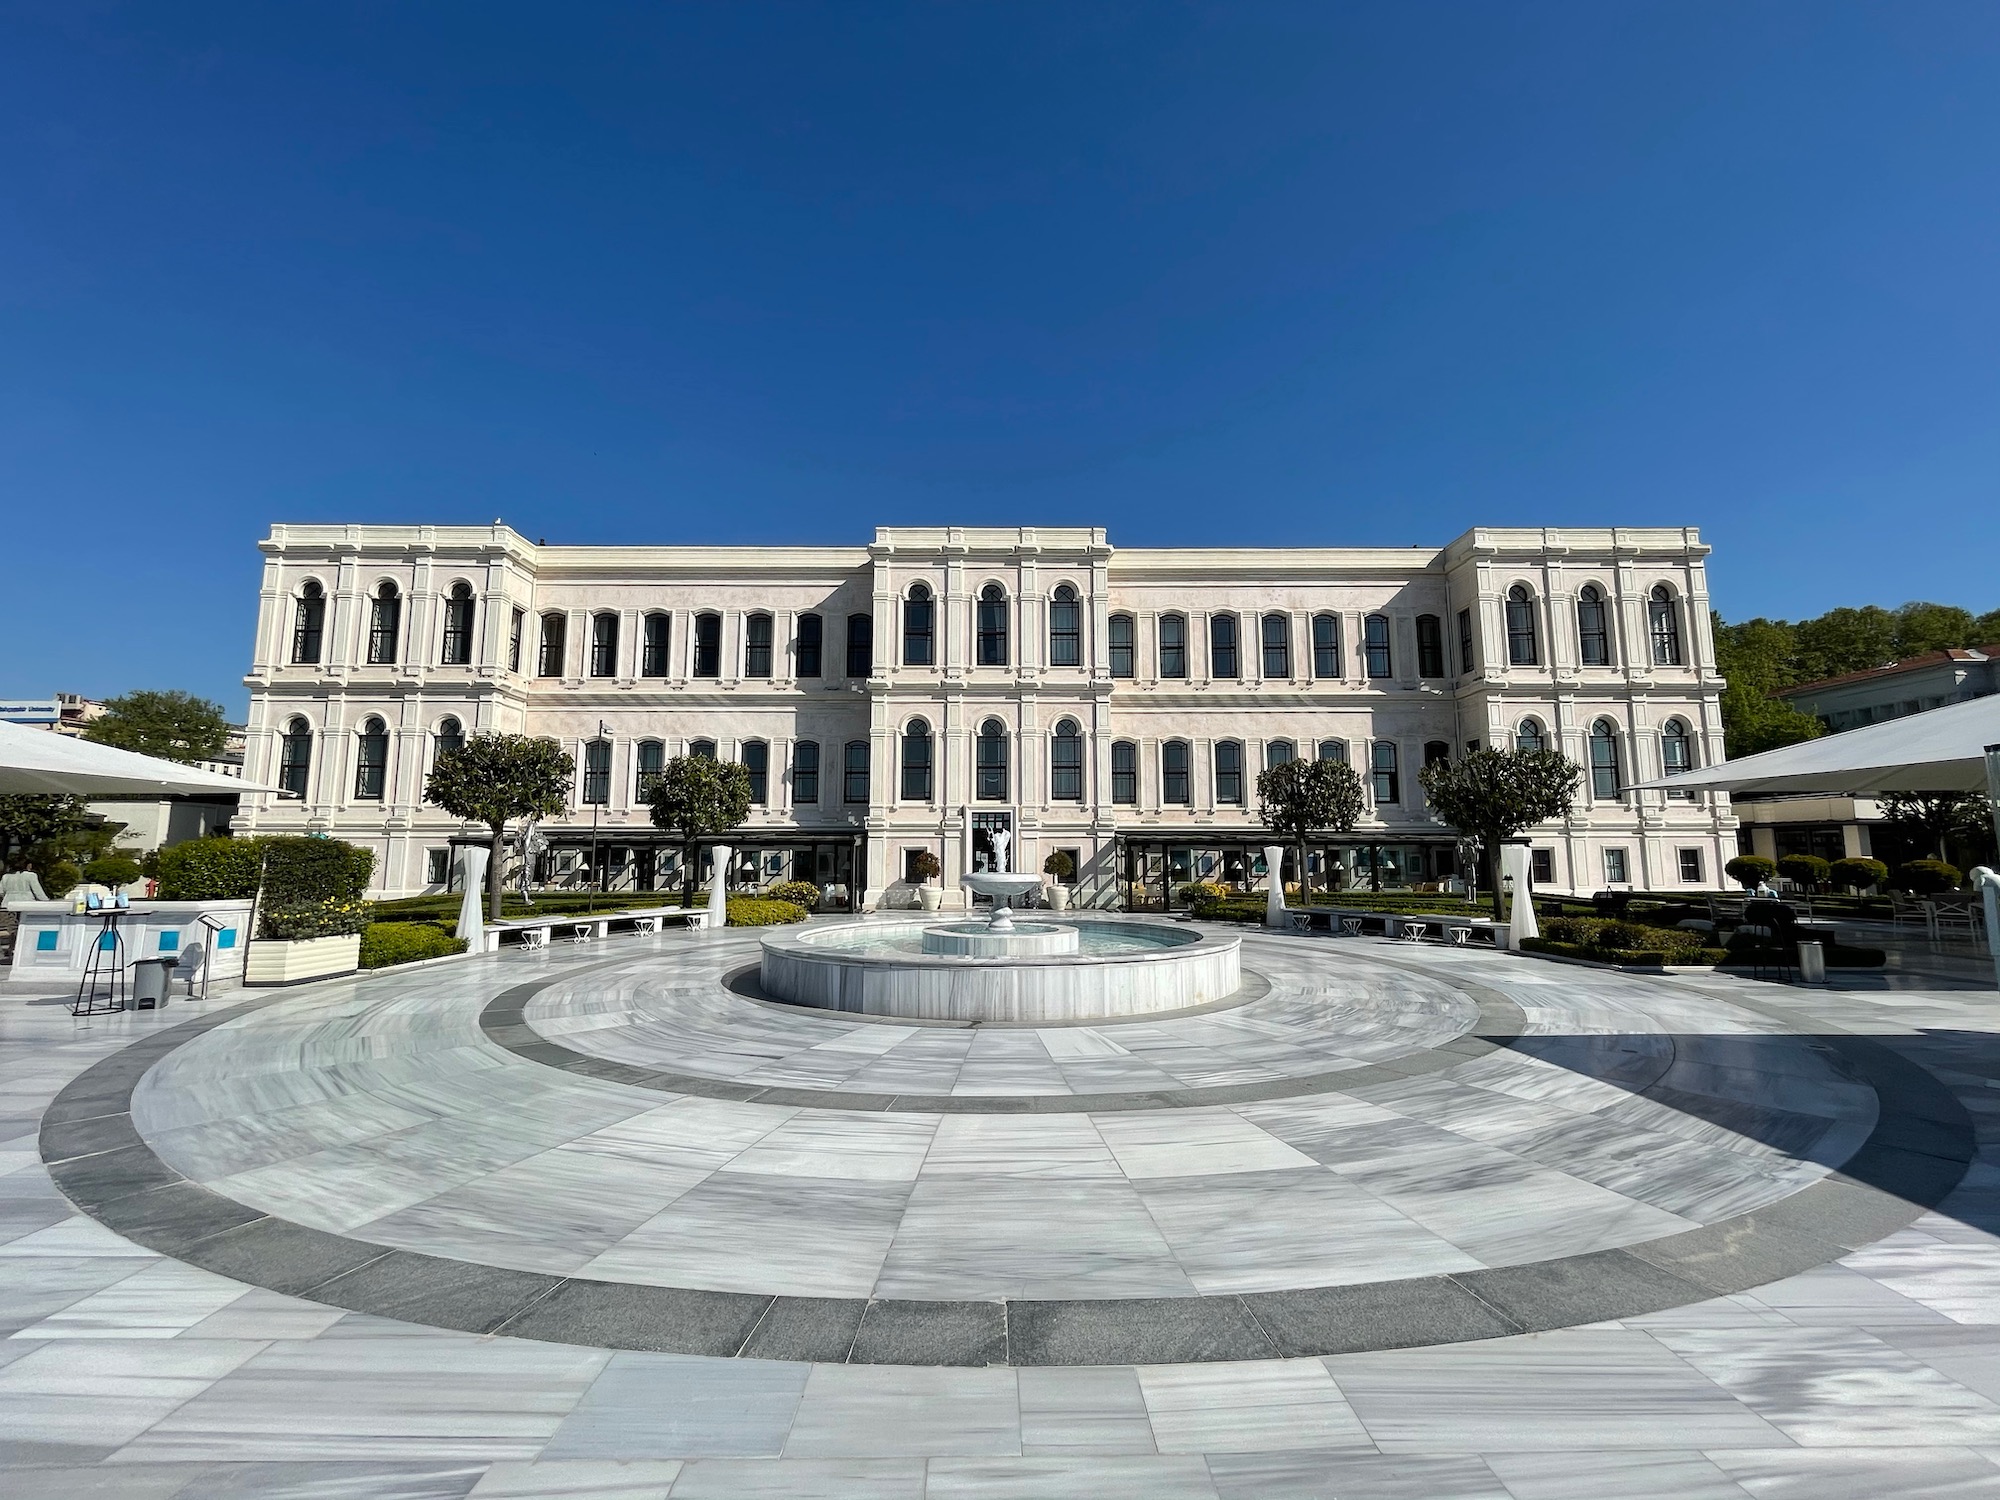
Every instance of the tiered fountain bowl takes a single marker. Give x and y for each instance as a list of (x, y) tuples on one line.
[(1003, 969)]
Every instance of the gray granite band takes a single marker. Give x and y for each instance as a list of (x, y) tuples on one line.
[(1920, 1148)]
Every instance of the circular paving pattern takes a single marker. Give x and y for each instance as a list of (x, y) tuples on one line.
[(1375, 1148)]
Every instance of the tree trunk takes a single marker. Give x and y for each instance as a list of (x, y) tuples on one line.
[(689, 873), (496, 882), (1490, 857), (1305, 885)]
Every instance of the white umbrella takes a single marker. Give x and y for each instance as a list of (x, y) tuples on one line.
[(1942, 750), (39, 761)]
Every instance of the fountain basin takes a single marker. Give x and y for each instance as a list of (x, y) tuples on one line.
[(1016, 940), (1121, 968)]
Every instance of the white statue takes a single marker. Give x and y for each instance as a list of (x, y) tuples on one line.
[(1001, 839)]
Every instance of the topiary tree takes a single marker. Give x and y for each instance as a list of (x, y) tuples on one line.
[(496, 778), (171, 725), (1059, 865), (1807, 870), (1853, 874), (1928, 877), (1494, 794), (1748, 869), (1305, 797), (699, 798), (113, 870), (924, 865)]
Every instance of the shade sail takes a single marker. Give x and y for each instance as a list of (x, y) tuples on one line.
[(1942, 750), (40, 761)]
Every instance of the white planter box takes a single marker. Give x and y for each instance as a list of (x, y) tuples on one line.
[(274, 962)]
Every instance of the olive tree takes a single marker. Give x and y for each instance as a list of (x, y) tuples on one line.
[(697, 798), (1305, 797), (496, 778), (1494, 794)]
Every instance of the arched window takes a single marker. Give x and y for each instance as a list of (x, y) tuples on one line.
[(1277, 646), (1666, 627), (1222, 646), (919, 627), (1375, 644), (854, 773), (1593, 626), (757, 762), (1174, 773), (450, 736), (1436, 752), (702, 749), (1065, 628), (458, 625), (597, 773), (1121, 646), (309, 624), (1228, 773), (1677, 753), (1332, 750), (1521, 647), (1278, 753), (295, 757), (652, 761), (1173, 645), (917, 761), (806, 655), (385, 622), (1066, 763), (708, 644), (371, 761), (1385, 773), (805, 773), (604, 645), (1604, 780), (990, 762), (1326, 647), (1430, 646), (555, 632), (757, 646), (992, 626), (654, 654), (1124, 773), (1528, 736), (860, 647)]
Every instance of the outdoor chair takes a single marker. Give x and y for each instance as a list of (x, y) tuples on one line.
[(1955, 919), (1413, 932), (584, 932), (1351, 926), (1459, 936), (1907, 911), (646, 924), (534, 937)]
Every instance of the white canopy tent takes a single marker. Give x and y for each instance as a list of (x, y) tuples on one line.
[(39, 762), (1943, 750)]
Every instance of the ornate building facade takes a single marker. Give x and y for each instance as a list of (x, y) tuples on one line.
[(940, 683)]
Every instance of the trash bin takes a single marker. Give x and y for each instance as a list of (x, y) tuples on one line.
[(1812, 963), (150, 978)]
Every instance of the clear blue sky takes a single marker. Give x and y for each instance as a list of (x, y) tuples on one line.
[(1239, 273)]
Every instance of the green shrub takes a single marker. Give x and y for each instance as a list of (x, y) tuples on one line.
[(113, 870), (1200, 893), (1858, 874), (59, 878), (1747, 869), (798, 892), (1611, 935), (1059, 864), (307, 869), (759, 911), (384, 944), (217, 869), (1807, 870), (315, 919), (1928, 877), (1648, 957)]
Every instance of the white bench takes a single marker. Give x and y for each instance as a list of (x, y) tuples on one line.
[(586, 926)]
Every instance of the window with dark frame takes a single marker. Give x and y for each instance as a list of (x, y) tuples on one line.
[(1334, 750), (1677, 755), (1666, 627), (992, 626), (1173, 645), (1604, 779), (1326, 647), (1123, 663), (1467, 662), (604, 645), (1542, 866), (371, 761), (1616, 872), (1174, 773), (1124, 773), (1375, 646), (757, 763), (854, 776), (1528, 736), (917, 762), (1436, 752), (990, 763), (1430, 646), (437, 866), (1593, 627), (805, 773), (385, 620), (1222, 646), (1066, 762), (517, 626), (652, 761), (1690, 864), (309, 624), (295, 757), (655, 645), (555, 639), (757, 634), (1384, 774), (597, 773), (708, 645), (1228, 773), (919, 627), (702, 749), (860, 647), (811, 634), (1065, 628), (1278, 753), (1277, 647), (450, 736), (1522, 649), (458, 612)]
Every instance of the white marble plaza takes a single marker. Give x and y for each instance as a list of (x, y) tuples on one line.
[(1110, 1164)]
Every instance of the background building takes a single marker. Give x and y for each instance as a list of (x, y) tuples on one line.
[(944, 682)]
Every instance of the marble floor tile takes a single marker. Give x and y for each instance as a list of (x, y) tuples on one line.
[(93, 1393), (887, 1411), (661, 1406), (1302, 1474), (1192, 1143), (1939, 1473), (155, 1302), (1238, 1407), (802, 1479), (579, 1479), (1644, 1475), (1076, 1478), (1084, 1409)]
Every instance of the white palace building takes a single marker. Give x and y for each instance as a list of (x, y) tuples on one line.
[(940, 683)]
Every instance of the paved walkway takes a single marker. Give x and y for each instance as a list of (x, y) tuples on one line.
[(1412, 1143)]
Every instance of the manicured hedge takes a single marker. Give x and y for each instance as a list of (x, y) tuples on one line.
[(759, 911), (216, 869), (1611, 935), (1647, 957), (444, 906), (798, 892), (384, 944)]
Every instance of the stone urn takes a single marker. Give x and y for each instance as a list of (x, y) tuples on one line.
[(928, 896), (1057, 895)]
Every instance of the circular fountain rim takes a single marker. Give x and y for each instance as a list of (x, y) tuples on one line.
[(803, 942)]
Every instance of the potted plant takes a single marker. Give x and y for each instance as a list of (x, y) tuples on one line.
[(1059, 867), (924, 869), (311, 910)]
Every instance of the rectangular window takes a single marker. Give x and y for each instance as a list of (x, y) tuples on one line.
[(554, 635), (438, 866), (653, 654), (757, 646), (757, 761), (1376, 642), (1173, 646), (384, 623), (1430, 646), (1121, 646), (1065, 628), (1222, 646), (708, 645), (1615, 872), (919, 628), (1542, 866), (1382, 768), (856, 774), (805, 774), (652, 761), (515, 627), (1174, 773), (597, 773), (1690, 862), (860, 646), (604, 646), (1466, 663), (810, 632), (458, 616), (1125, 773), (1326, 647), (1277, 647), (910, 858), (1228, 773)]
